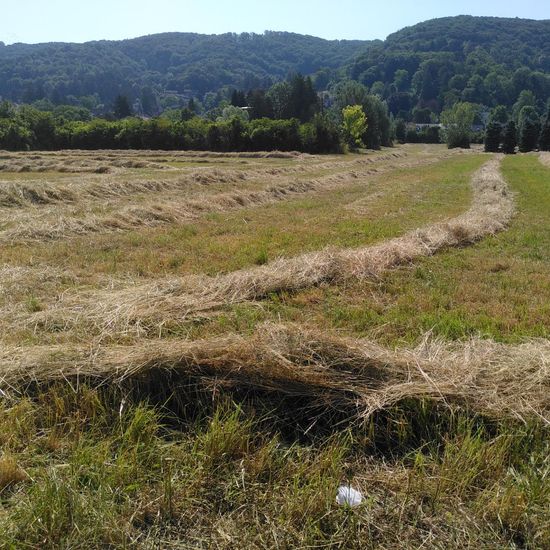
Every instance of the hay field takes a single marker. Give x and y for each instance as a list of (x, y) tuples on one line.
[(195, 346)]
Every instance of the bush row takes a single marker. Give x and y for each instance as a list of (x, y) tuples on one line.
[(40, 131)]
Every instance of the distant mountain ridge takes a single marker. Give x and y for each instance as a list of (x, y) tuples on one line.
[(173, 61), (486, 60)]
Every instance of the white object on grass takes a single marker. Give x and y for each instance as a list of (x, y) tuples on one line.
[(348, 496)]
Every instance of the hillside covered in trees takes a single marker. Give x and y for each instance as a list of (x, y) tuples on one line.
[(427, 67), (483, 60), (184, 63), (282, 90)]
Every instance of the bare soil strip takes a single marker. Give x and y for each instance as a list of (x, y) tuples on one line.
[(544, 158), (489, 378)]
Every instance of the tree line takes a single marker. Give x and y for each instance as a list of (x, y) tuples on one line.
[(288, 116), (419, 72), (531, 132), (30, 129)]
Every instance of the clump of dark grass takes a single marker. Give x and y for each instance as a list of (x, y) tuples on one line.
[(109, 467)]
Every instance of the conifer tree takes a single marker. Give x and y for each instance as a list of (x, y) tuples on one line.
[(238, 99), (529, 129), (493, 135), (122, 108), (509, 140), (400, 130), (529, 136)]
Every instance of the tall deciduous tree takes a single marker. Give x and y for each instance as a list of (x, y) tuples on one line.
[(355, 125), (457, 123)]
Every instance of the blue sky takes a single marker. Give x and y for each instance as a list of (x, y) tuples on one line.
[(73, 21)]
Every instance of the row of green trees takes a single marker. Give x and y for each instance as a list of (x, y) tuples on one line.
[(296, 99), (529, 134), (32, 129), (303, 122), (505, 130)]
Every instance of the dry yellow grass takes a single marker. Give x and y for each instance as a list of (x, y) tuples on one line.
[(153, 304), (544, 157), (480, 375), (10, 473), (58, 208)]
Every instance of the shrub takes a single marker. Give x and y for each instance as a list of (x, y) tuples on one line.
[(458, 125)]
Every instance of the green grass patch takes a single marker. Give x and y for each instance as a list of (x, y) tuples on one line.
[(90, 469), (498, 288)]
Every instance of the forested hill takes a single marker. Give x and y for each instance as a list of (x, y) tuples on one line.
[(182, 62), (428, 67), (485, 60)]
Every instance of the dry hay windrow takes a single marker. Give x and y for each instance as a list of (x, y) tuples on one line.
[(544, 158), (24, 193), (81, 161), (159, 213), (20, 194), (130, 217), (55, 225), (74, 165), (144, 308), (496, 380)]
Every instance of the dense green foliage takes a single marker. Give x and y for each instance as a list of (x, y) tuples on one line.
[(420, 71), (355, 125), (300, 124), (483, 60), (493, 137), (510, 140), (349, 92), (544, 138), (458, 123), (148, 68), (500, 67), (529, 129), (27, 128)]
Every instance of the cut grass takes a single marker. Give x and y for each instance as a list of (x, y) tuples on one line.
[(107, 471), (498, 288), (223, 242), (171, 465), (399, 201)]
